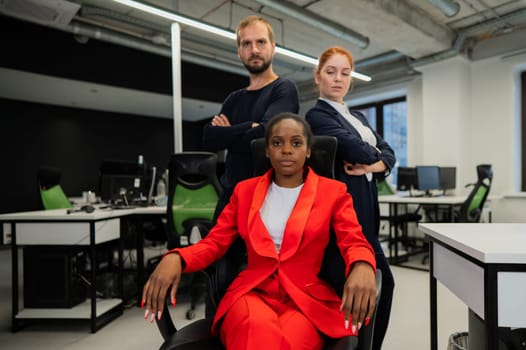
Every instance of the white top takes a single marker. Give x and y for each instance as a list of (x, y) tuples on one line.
[(276, 210), (365, 132), (489, 243)]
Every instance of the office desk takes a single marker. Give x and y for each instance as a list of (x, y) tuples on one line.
[(485, 266), (57, 228), (396, 201)]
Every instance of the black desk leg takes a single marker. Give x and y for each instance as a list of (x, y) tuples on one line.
[(491, 306), (433, 300), (93, 278), (14, 279), (140, 257)]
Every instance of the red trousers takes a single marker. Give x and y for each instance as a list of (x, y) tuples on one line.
[(259, 321)]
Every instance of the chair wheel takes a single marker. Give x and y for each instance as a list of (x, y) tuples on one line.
[(190, 314)]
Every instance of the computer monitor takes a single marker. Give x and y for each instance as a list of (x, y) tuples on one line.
[(448, 178), (122, 181), (406, 179), (428, 178)]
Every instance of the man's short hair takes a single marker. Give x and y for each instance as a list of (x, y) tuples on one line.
[(245, 22)]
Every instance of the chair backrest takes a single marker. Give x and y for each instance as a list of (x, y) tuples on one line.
[(193, 190), (54, 198), (323, 153), (471, 209), (51, 193)]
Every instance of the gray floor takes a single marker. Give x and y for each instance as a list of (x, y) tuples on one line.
[(408, 329)]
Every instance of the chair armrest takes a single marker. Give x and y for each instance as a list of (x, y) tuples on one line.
[(165, 324), (366, 333)]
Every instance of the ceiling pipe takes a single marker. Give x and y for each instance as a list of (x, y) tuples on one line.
[(117, 16), (380, 59), (316, 21), (449, 7), (465, 34)]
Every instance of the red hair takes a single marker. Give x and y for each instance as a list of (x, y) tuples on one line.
[(331, 51)]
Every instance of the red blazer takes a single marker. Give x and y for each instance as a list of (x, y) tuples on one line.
[(322, 203)]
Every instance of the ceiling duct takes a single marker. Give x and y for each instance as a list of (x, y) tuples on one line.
[(465, 33), (53, 12), (380, 59), (449, 7), (316, 21)]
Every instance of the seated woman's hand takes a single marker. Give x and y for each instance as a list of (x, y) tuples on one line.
[(359, 296), (167, 274)]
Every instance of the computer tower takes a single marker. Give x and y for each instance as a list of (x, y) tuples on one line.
[(52, 277)]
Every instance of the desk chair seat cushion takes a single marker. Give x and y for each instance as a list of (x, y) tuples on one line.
[(402, 218)]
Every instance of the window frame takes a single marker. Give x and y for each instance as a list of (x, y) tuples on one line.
[(378, 105)]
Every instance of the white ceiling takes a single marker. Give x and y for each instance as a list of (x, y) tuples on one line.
[(399, 35)]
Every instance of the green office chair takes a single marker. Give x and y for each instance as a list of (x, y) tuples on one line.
[(51, 193), (192, 198), (197, 335), (471, 209), (192, 195)]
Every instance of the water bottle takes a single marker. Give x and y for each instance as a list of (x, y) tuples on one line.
[(161, 188)]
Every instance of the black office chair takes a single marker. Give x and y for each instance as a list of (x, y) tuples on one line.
[(197, 334), (471, 209), (51, 193), (398, 224)]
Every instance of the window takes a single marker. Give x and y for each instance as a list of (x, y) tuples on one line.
[(389, 119)]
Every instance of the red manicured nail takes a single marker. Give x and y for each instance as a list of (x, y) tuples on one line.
[(142, 303), (174, 302), (367, 320)]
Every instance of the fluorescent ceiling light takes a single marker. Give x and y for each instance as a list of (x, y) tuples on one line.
[(220, 31)]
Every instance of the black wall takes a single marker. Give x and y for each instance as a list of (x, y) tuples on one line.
[(76, 140)]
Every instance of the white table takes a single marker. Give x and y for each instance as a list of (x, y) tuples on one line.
[(396, 201), (58, 228), (485, 266)]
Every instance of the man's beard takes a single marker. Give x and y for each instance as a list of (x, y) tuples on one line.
[(257, 69)]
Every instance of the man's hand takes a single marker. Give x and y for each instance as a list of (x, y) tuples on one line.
[(220, 120), (354, 169)]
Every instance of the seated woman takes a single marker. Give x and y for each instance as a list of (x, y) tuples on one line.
[(285, 218)]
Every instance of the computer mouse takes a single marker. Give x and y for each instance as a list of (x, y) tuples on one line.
[(87, 208)]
